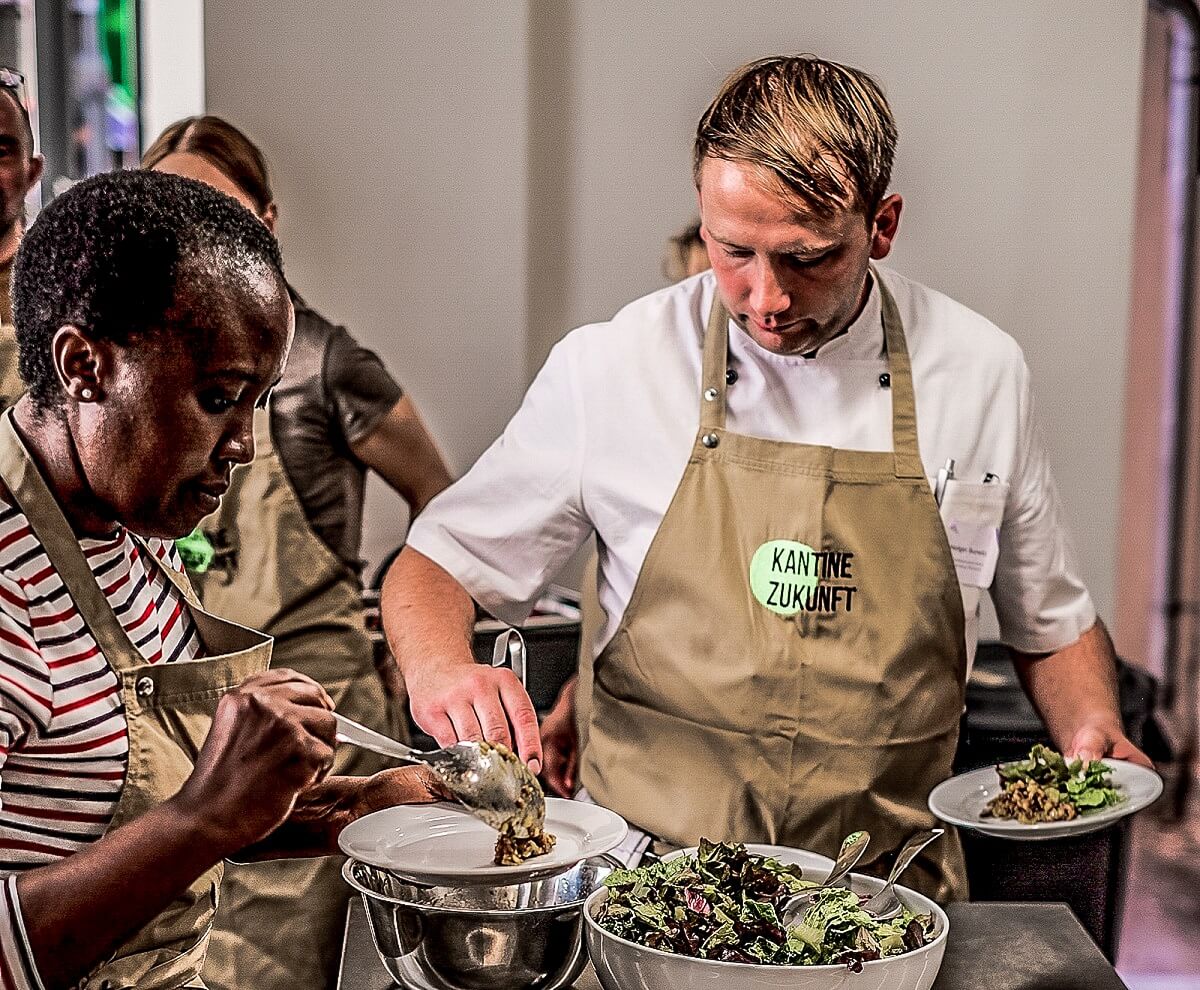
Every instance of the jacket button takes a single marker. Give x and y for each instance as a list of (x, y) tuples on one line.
[(885, 380), (731, 376), (144, 687), (710, 394), (710, 440)]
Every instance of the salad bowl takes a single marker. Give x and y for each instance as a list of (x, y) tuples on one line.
[(621, 964)]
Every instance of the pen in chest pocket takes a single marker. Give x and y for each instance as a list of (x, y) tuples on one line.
[(945, 473)]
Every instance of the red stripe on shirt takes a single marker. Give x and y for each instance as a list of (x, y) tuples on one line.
[(75, 773), (57, 814), (94, 651), (71, 706), (14, 537), (82, 747), (8, 636)]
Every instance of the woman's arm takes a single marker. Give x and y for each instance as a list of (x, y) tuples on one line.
[(327, 807), (79, 910), (401, 450), (271, 738)]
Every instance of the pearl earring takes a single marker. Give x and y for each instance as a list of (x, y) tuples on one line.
[(85, 393)]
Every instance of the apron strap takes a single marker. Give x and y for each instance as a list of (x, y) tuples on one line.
[(50, 526), (179, 580), (716, 366), (906, 450), (905, 447)]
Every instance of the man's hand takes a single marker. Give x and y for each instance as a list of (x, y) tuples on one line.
[(1075, 691), (429, 619), (1093, 742), (468, 701), (560, 743)]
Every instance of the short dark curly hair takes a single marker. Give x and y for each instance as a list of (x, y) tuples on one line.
[(111, 255)]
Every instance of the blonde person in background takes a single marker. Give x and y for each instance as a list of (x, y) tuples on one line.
[(20, 171), (286, 560), (686, 254)]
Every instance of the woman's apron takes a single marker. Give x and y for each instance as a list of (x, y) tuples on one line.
[(280, 922), (791, 665), (168, 711)]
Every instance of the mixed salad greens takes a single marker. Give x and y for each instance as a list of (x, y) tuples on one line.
[(1046, 788), (723, 903)]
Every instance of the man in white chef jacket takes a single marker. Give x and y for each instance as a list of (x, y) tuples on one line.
[(761, 451)]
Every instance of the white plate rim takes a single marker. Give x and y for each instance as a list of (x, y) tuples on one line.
[(610, 829), (1010, 829)]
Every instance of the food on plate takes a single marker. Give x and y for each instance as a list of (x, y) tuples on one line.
[(522, 834), (512, 850), (723, 903), (1046, 788)]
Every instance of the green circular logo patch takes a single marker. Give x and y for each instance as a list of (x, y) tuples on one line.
[(783, 574)]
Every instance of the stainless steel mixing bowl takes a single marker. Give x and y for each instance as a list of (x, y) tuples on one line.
[(521, 937)]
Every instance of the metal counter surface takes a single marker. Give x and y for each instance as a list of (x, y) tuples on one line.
[(997, 946)]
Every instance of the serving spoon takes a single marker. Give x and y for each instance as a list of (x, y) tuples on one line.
[(853, 847), (492, 783), (885, 904)]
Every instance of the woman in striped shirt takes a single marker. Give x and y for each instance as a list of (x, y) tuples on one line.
[(141, 743)]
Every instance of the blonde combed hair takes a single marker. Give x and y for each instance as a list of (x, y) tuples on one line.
[(823, 131)]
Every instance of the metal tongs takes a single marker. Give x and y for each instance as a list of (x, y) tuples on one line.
[(493, 786)]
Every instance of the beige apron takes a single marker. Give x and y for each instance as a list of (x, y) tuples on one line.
[(168, 710), (280, 923), (758, 692)]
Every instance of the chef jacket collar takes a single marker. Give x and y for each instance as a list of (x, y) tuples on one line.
[(862, 341)]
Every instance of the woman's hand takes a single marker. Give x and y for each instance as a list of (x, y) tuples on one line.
[(271, 738), (328, 806), (406, 785)]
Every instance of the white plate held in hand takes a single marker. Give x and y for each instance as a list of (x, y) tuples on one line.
[(962, 799), (442, 845)]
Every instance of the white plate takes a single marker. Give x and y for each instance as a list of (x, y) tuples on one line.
[(961, 800), (442, 845)]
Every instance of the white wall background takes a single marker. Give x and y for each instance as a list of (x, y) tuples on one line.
[(172, 69), (463, 182)]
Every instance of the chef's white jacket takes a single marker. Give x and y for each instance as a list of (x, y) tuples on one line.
[(605, 430)]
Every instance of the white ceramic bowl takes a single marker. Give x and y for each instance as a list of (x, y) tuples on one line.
[(624, 965)]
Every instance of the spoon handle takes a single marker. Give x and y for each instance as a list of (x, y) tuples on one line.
[(349, 731), (853, 847), (885, 902), (509, 649), (910, 849)]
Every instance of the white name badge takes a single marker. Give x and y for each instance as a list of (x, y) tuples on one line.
[(972, 514)]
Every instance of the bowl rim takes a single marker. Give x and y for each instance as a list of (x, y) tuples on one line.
[(463, 912), (591, 923)]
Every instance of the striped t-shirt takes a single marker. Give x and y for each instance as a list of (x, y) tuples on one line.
[(63, 738)]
